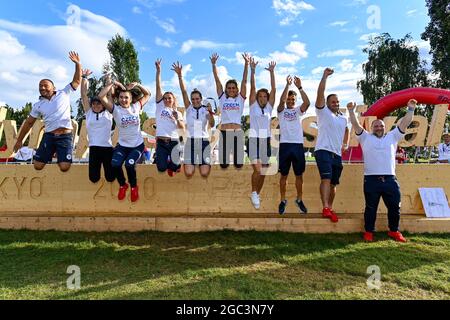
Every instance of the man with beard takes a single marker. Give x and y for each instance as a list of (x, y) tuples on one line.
[(379, 151)]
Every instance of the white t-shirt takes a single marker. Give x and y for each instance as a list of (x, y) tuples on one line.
[(260, 120), (291, 130), (98, 127), (129, 122), (197, 122), (231, 109), (56, 111), (379, 153), (444, 151), (166, 126), (331, 130)]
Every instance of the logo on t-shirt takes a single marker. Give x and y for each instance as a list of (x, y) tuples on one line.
[(166, 115), (129, 120), (290, 115), (231, 106)]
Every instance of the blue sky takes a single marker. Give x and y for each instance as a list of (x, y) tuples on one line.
[(304, 37)]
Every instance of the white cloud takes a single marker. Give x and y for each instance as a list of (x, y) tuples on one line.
[(411, 13), (289, 10), (318, 70), (336, 53), (164, 43), (8, 76), (136, 10), (338, 23), (191, 44), (346, 65), (366, 37), (298, 48), (168, 25), (84, 32)]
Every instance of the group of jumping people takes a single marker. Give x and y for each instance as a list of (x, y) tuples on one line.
[(118, 102)]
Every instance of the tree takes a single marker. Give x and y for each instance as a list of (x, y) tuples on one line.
[(124, 60), (20, 115), (392, 65), (438, 34)]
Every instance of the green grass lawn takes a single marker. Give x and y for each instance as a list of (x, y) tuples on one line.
[(221, 265)]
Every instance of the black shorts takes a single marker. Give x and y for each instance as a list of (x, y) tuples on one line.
[(291, 153), (197, 151), (51, 143), (330, 165), (259, 149)]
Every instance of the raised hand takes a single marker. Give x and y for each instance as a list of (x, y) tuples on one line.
[(132, 85), (246, 57), (158, 64), (271, 66), (328, 72), (175, 114), (178, 68), (351, 106), (297, 82), (86, 73), (120, 86), (74, 57), (412, 103), (253, 63), (289, 80), (214, 58)]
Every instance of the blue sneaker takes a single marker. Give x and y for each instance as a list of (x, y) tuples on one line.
[(282, 207), (301, 206)]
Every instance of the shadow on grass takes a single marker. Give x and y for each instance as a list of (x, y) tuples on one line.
[(215, 265)]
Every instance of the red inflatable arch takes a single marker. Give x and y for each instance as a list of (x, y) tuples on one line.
[(399, 99)]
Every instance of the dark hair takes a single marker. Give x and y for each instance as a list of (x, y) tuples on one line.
[(262, 90), (231, 81), (292, 93), (331, 95), (195, 91), (95, 99), (48, 81)]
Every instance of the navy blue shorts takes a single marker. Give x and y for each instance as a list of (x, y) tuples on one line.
[(330, 165), (51, 143), (259, 149), (197, 151), (291, 154)]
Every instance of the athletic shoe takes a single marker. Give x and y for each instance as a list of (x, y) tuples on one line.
[(301, 206), (123, 191), (330, 214), (134, 194), (170, 172), (397, 236), (282, 207), (255, 200), (368, 236)]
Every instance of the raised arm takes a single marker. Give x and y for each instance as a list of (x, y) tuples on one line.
[(77, 76), (219, 86), (143, 89), (178, 69), (407, 119), (211, 120), (84, 89), (179, 121), (103, 95), (253, 65), (346, 140), (355, 123), (159, 94), (27, 125), (247, 58), (284, 95), (306, 103), (320, 101), (273, 85)]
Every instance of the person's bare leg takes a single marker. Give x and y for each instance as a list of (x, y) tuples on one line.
[(325, 186), (205, 170), (189, 170), (332, 195), (299, 187), (255, 177), (283, 183), (38, 165), (64, 166)]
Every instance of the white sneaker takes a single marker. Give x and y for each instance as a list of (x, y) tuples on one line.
[(255, 200)]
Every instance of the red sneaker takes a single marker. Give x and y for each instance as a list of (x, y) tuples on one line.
[(122, 191), (397, 236), (170, 172), (134, 194), (368, 236), (328, 213)]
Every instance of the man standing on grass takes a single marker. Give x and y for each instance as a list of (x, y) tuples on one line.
[(379, 151), (332, 141)]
